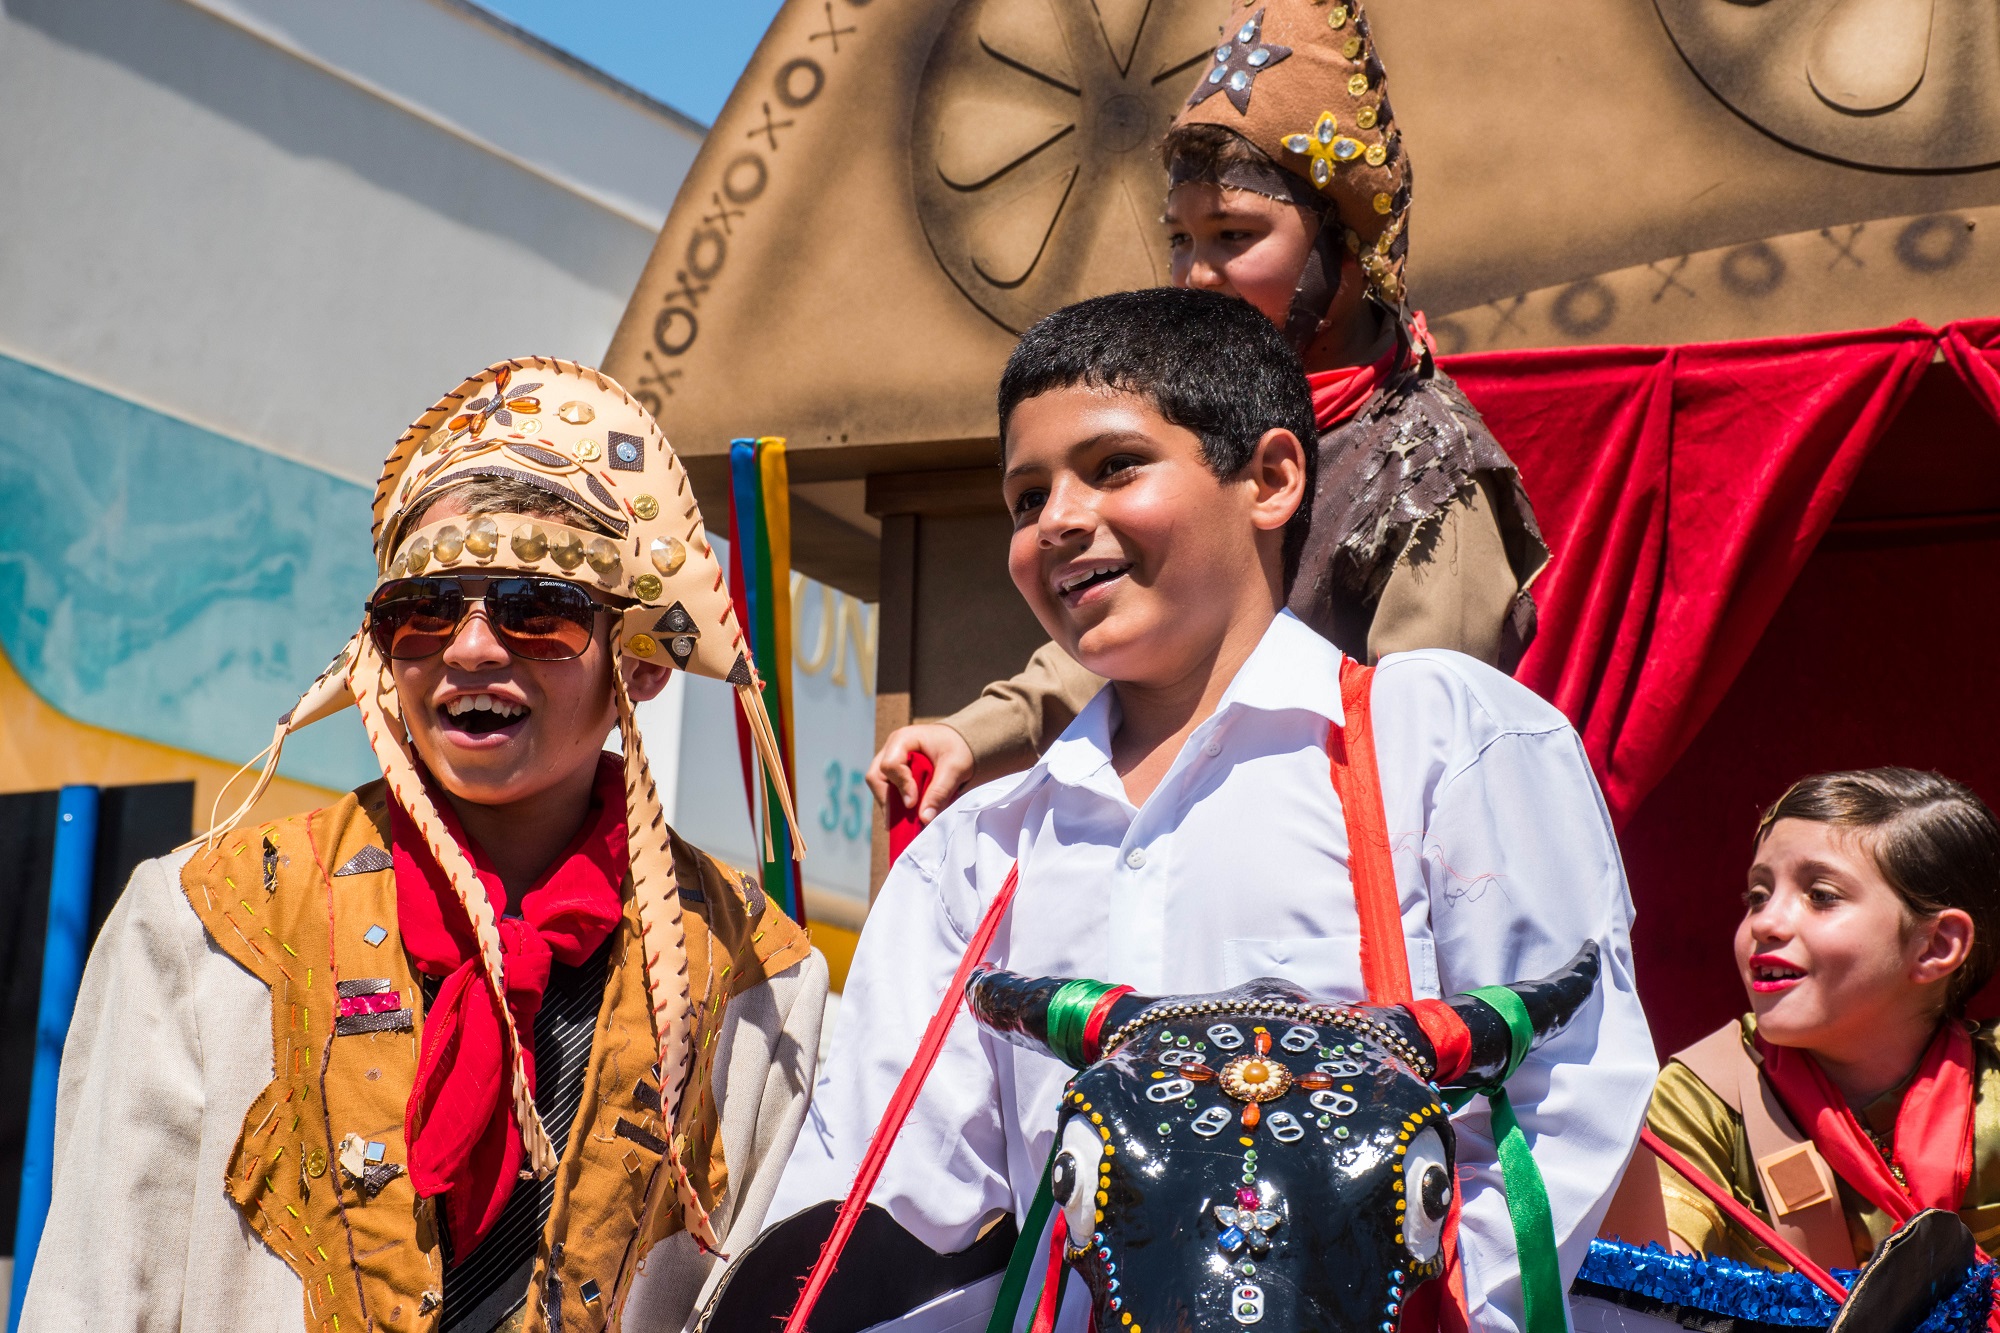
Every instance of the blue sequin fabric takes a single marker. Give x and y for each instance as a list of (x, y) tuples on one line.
[(1740, 1291)]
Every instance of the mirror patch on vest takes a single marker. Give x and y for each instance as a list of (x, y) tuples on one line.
[(365, 862), (367, 1004)]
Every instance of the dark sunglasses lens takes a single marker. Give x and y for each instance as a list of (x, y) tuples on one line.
[(543, 620), (413, 618)]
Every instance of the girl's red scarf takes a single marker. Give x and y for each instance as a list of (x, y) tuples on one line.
[(1338, 394), (1933, 1144), (464, 1142)]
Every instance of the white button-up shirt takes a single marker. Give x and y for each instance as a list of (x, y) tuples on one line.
[(1236, 868)]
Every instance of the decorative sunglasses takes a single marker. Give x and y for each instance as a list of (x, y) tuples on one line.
[(540, 619)]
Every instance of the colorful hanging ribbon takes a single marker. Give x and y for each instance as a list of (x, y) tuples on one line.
[(760, 582)]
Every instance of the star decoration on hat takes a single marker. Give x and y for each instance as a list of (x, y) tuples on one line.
[(1237, 64), (1326, 147)]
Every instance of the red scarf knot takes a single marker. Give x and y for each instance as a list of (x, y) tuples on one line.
[(464, 1141)]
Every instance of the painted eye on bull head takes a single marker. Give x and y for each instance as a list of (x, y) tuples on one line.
[(1073, 1181), (1427, 1171)]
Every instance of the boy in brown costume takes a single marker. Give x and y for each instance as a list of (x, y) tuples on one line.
[(484, 1044), (1289, 186)]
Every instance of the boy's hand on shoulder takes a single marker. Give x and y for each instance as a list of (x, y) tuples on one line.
[(951, 762)]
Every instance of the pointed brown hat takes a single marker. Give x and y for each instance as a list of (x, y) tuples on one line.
[(1301, 80)]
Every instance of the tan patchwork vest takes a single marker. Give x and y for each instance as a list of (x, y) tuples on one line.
[(308, 905)]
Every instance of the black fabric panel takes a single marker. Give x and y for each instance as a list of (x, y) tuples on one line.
[(27, 849), (135, 824), (486, 1286)]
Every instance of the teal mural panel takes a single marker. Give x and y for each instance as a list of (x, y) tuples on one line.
[(170, 583)]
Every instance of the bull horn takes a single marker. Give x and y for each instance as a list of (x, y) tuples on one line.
[(1551, 1001), (1017, 1008)]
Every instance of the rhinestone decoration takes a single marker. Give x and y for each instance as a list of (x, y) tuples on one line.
[(1237, 64), (668, 555), (434, 440), (645, 645), (1324, 147), (530, 542), (417, 554), (603, 557), (587, 451), (482, 538), (566, 549), (450, 544), (1253, 1078), (645, 506), (576, 413), (647, 587), (1248, 1225)]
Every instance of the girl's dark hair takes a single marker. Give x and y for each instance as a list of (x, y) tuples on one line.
[(1210, 364), (1935, 841)]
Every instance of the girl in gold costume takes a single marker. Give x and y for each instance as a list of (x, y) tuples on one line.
[(1855, 1093)]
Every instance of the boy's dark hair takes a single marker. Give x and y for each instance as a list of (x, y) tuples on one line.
[(1210, 364), (1935, 841)]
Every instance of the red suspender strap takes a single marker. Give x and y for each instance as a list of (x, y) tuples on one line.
[(1385, 962), (899, 1106), (1385, 965)]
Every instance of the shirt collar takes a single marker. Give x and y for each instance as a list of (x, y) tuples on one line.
[(1291, 669)]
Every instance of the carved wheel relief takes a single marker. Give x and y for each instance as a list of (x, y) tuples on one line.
[(1035, 170), (1910, 85)]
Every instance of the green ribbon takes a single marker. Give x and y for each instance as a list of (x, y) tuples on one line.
[(1069, 1014), (1021, 1264), (1527, 1194)]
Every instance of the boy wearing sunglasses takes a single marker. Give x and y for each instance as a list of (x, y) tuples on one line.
[(477, 1044)]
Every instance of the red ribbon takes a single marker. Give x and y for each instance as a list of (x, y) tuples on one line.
[(1449, 1037), (464, 1142), (1933, 1143)]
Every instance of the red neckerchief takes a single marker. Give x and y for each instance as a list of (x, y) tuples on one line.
[(1338, 394), (464, 1142), (1933, 1144)]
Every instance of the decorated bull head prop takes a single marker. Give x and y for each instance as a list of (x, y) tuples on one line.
[(1253, 1156)]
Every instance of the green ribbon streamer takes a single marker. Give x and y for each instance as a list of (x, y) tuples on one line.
[(1069, 1014), (1527, 1194), (1020, 1264)]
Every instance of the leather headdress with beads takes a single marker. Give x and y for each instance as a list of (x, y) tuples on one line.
[(1301, 80), (575, 433)]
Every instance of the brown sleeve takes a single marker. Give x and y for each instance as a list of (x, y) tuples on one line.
[(1695, 1122), (1013, 721), (1453, 586)]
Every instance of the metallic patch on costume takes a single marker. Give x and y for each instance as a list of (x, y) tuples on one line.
[(363, 986), (597, 490), (675, 620), (586, 451), (642, 645), (366, 862), (374, 936), (647, 587), (628, 452), (646, 507), (378, 1176), (588, 1289), (739, 674), (534, 453), (354, 1025), (650, 1142)]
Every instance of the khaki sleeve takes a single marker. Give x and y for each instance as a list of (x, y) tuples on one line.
[(1452, 587), (1013, 721), (1696, 1123)]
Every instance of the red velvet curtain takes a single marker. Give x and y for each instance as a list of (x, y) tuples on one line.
[(1682, 490)]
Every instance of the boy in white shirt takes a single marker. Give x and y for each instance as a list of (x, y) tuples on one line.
[(1184, 834)]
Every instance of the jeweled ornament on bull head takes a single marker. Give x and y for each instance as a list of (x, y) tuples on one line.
[(1256, 1157)]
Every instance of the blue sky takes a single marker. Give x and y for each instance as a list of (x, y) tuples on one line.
[(688, 55)]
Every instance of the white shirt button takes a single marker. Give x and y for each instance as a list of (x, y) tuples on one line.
[(1212, 747), (1136, 858)]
